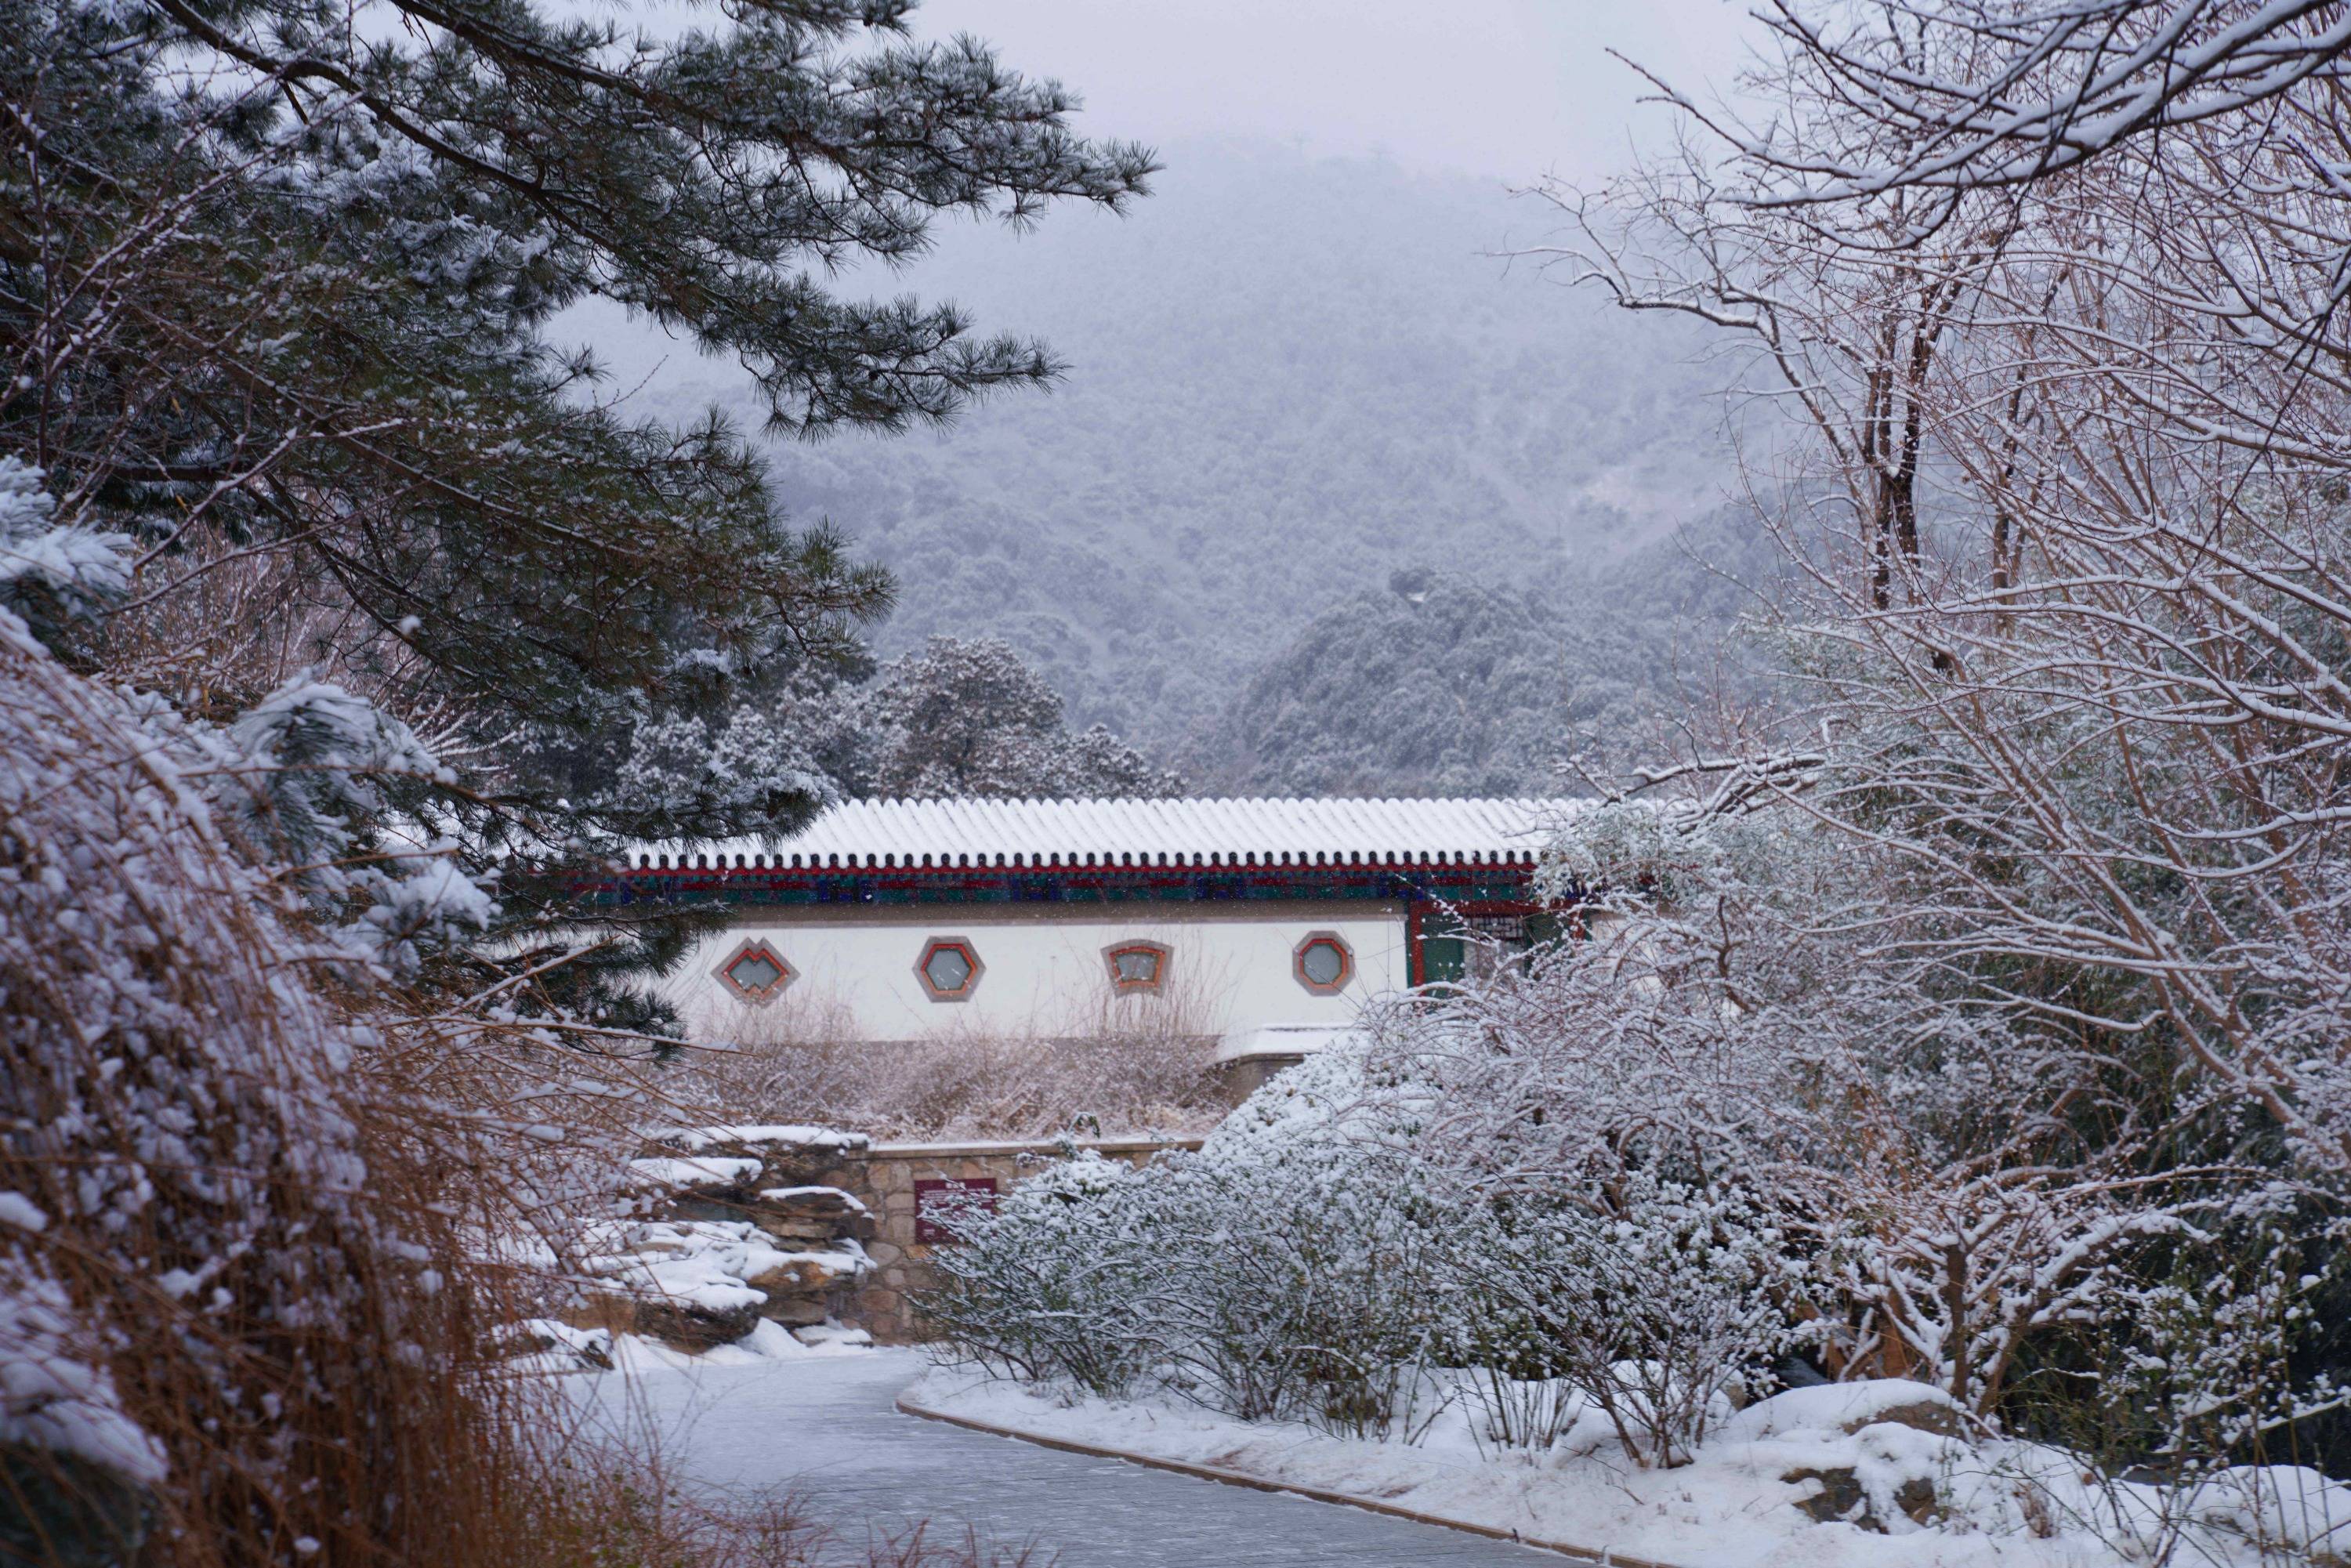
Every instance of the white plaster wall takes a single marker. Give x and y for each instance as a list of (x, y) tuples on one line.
[(1043, 971)]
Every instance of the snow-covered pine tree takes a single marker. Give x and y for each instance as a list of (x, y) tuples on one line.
[(273, 276), (961, 718), (968, 716)]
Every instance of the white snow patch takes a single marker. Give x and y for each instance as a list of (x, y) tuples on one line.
[(794, 1133), (786, 1194), (1728, 1509), (714, 1170)]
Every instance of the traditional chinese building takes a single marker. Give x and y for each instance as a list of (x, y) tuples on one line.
[(1262, 923)]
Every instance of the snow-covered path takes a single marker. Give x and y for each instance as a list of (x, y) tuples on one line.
[(827, 1429)]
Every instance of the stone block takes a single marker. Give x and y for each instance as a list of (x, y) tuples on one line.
[(807, 1203), (1936, 1416)]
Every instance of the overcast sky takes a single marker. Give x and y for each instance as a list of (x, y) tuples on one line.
[(1505, 90), (1502, 88)]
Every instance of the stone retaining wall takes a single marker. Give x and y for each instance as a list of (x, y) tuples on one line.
[(885, 1176), (815, 1231)]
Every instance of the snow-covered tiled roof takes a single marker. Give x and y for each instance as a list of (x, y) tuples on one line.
[(978, 832)]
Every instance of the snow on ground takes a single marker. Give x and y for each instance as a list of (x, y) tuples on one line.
[(2012, 1504), (824, 1429)]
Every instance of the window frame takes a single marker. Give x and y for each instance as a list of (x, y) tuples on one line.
[(1120, 985), (1346, 963), (750, 946), (932, 948)]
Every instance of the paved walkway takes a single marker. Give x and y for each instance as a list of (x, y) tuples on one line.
[(828, 1430)]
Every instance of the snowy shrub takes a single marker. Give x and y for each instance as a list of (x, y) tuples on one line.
[(1056, 1282), (1657, 1303), (1318, 1288), (1270, 1277), (198, 1292), (1315, 1263)]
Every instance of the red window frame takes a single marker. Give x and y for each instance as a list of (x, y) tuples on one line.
[(932, 949)]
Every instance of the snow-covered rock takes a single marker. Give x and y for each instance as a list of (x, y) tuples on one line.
[(776, 1137), (662, 1173), (1847, 1407)]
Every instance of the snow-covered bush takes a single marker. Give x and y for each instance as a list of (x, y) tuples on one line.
[(1315, 1261), (1612, 1190), (1318, 1289), (1281, 1273), (1654, 1302), (1057, 1283)]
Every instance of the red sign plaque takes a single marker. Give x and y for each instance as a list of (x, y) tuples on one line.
[(942, 1200)]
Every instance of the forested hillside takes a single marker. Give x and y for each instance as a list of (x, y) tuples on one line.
[(1445, 683), (1288, 379)]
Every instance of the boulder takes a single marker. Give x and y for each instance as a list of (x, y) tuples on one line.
[(1850, 1407), (750, 1228), (833, 1334), (826, 1203), (589, 1347), (812, 1214), (1937, 1415), (693, 1326), (808, 1274), (1843, 1498), (787, 1155)]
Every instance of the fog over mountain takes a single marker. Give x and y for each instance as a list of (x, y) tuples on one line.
[(1289, 379)]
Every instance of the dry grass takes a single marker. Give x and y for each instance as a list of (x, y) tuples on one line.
[(1142, 1065), (268, 1224)]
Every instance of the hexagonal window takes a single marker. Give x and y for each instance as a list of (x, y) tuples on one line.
[(756, 972), (949, 969), (1136, 965), (1323, 963)]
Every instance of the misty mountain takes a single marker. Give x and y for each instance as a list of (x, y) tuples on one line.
[(1290, 378), (1440, 684)]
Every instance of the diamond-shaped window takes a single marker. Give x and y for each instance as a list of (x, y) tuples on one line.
[(756, 972), (949, 969)]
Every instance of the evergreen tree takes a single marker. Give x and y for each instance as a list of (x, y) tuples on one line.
[(274, 276), (1446, 686), (961, 718), (969, 717)]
